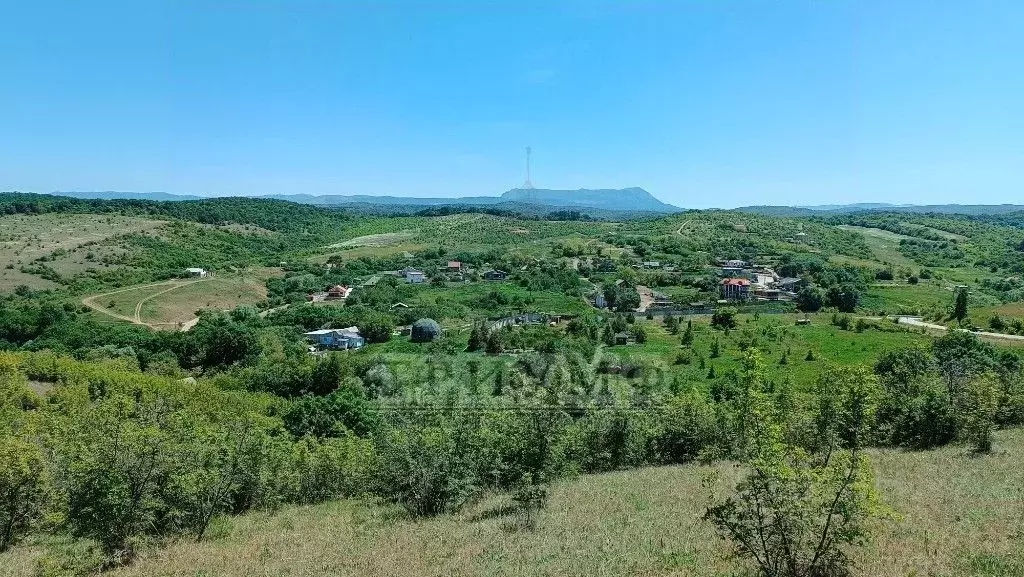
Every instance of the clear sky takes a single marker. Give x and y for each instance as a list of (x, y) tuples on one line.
[(702, 102)]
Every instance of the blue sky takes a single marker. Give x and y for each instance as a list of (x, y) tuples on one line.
[(703, 103)]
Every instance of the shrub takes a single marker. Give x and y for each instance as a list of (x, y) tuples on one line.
[(690, 428), (376, 329), (843, 297), (716, 349), (724, 318), (841, 321), (996, 323), (809, 300), (427, 469), (333, 415), (23, 485), (687, 338), (333, 468), (976, 412), (530, 497), (796, 513)]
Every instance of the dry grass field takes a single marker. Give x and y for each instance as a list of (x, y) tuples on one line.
[(381, 239), (884, 244), (66, 241), (218, 293), (173, 304), (952, 514)]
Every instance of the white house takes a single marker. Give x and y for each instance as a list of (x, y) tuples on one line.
[(414, 276), (197, 272), (347, 338)]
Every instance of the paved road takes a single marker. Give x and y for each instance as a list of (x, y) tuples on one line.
[(919, 322)]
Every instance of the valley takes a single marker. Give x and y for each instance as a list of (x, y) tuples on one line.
[(492, 391)]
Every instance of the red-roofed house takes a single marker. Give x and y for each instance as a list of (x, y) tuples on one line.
[(338, 292), (454, 266), (735, 289)]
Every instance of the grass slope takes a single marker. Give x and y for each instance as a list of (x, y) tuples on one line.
[(64, 242), (166, 305), (952, 515)]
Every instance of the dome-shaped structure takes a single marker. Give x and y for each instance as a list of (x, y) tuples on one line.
[(425, 330)]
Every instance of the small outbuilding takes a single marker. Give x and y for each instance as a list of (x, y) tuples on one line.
[(425, 331), (197, 272)]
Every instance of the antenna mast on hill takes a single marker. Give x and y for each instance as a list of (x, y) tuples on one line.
[(528, 185)]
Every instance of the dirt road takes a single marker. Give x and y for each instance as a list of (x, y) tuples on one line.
[(919, 322), (137, 319)]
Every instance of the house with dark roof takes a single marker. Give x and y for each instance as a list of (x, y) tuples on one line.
[(790, 284)]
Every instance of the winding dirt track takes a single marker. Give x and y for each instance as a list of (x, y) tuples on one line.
[(137, 319), (919, 322)]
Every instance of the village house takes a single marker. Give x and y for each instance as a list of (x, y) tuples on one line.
[(789, 284), (661, 301), (735, 289), (338, 292), (766, 294), (495, 275), (336, 339), (454, 266), (413, 276), (197, 272)]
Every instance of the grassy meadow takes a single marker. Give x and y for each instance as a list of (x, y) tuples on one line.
[(166, 305), (67, 243), (951, 514)]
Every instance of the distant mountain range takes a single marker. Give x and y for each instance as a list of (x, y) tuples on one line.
[(113, 194), (630, 200), (827, 209), (598, 203)]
